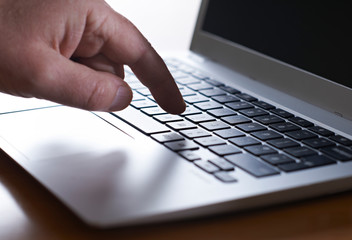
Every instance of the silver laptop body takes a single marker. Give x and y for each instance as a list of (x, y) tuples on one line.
[(111, 174)]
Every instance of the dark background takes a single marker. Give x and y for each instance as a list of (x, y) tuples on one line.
[(311, 35)]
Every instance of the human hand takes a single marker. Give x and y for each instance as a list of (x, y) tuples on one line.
[(40, 37)]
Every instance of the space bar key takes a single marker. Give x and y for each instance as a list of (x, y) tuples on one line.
[(141, 121)]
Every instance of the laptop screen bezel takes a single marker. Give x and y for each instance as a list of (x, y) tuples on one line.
[(289, 79)]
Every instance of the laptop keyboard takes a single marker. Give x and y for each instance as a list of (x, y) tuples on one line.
[(223, 129)]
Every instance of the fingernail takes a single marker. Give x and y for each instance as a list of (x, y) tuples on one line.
[(122, 99)]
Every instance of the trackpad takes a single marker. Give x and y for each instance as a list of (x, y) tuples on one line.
[(60, 131)]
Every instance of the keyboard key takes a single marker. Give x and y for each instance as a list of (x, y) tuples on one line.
[(209, 141), (259, 150), (301, 134), (282, 113), (301, 122), (239, 105), (229, 89), (200, 86), (167, 137), (190, 110), (246, 97), (187, 80), (263, 105), (141, 121), (285, 127), (321, 131), (181, 125), (208, 105), (179, 74), (276, 159), (269, 119), (305, 163), (244, 141), (207, 166), (283, 143), (195, 133), (164, 118), (266, 135), (196, 99), (225, 177), (144, 104), (182, 145), (318, 143), (223, 150), (229, 133), (187, 92), (137, 97), (214, 125), (226, 99), (136, 85), (300, 151), (251, 165), (338, 152), (221, 112), (198, 118), (212, 92), (190, 155), (234, 120), (253, 112), (251, 127), (222, 164), (153, 111), (342, 140)]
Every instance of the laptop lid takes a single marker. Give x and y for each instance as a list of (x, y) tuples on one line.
[(300, 48)]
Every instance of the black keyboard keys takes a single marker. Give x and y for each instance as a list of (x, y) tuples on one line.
[(301, 134), (259, 150), (301, 122), (269, 119), (285, 127), (239, 105), (244, 141), (195, 133), (321, 131), (342, 140), (223, 150), (338, 152), (251, 127), (276, 159), (234, 120), (318, 143), (300, 151), (229, 133), (282, 113), (283, 143), (252, 165), (308, 162), (266, 135)]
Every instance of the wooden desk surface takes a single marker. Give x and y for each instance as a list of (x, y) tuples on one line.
[(28, 211)]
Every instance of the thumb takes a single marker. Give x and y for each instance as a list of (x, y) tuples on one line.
[(61, 80)]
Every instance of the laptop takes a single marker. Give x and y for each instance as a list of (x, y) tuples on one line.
[(268, 120)]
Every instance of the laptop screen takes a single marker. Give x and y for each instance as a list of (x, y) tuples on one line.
[(314, 36)]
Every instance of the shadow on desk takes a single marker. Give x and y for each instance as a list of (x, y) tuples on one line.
[(28, 211)]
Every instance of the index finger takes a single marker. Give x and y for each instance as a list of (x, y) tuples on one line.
[(125, 44)]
